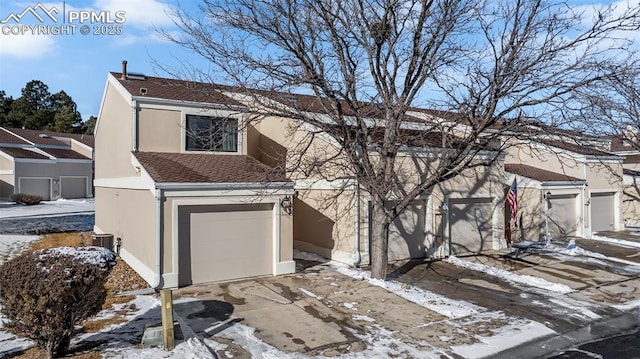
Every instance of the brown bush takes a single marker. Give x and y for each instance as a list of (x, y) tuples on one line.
[(28, 199), (46, 292)]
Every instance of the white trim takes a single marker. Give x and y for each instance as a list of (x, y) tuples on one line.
[(157, 103), (6, 156), (97, 230), (336, 255), (6, 172), (122, 182), (170, 280), (145, 272), (87, 187), (17, 135), (51, 160), (286, 267), (47, 178), (323, 184), (276, 235)]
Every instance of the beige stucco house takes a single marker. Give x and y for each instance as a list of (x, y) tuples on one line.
[(186, 208), (565, 188), (50, 164), (630, 179), (184, 214)]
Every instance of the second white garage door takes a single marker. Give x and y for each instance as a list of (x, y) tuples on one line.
[(602, 212), (224, 242), (73, 187), (407, 233), (470, 225), (38, 186), (562, 215)]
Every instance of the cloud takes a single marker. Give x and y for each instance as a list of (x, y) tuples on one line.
[(140, 13), (26, 46)]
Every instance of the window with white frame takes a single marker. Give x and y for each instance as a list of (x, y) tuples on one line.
[(217, 134)]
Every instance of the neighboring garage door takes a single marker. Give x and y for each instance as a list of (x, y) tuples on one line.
[(39, 186), (407, 233), (224, 242), (562, 215), (602, 212), (73, 187), (470, 223)]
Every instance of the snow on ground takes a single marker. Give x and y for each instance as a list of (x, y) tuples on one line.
[(518, 331), (448, 307), (511, 277), (616, 241), (583, 252), (12, 244), (61, 206)]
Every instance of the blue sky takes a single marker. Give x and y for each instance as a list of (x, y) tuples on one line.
[(77, 63)]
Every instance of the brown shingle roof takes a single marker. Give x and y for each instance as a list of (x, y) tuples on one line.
[(576, 148), (16, 152), (206, 168), (8, 137), (539, 174), (34, 137), (66, 154), (172, 89), (88, 140)]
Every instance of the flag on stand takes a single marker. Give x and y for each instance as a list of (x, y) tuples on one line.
[(512, 200)]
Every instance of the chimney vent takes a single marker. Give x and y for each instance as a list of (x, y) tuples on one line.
[(124, 70)]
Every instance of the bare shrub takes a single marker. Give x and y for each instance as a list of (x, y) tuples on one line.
[(28, 199), (43, 294)]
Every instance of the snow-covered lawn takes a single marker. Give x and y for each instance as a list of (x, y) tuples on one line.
[(46, 208)]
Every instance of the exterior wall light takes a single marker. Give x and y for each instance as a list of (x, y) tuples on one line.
[(287, 204)]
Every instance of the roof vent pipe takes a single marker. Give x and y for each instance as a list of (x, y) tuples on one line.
[(124, 70)]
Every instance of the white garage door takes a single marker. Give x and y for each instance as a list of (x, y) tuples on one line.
[(224, 242), (602, 212), (407, 233), (562, 215), (73, 187), (39, 186), (470, 225)]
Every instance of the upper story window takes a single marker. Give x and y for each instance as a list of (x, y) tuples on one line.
[(216, 134)]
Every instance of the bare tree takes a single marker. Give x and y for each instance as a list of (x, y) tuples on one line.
[(488, 62)]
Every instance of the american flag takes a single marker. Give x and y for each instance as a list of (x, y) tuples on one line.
[(512, 200)]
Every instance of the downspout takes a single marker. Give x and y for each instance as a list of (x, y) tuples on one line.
[(358, 258), (157, 282), (134, 145)]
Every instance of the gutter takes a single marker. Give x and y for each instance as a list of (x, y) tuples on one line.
[(212, 106), (134, 105), (225, 186), (157, 281), (358, 258), (563, 183)]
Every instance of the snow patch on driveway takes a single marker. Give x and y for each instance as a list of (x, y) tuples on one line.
[(511, 277)]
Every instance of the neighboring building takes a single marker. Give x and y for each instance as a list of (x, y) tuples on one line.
[(630, 179), (50, 164), (565, 189)]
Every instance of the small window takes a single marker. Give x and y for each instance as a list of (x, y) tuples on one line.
[(211, 134)]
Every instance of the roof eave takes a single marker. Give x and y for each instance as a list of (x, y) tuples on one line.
[(224, 186)]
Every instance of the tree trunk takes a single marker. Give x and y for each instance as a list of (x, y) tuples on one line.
[(379, 241)]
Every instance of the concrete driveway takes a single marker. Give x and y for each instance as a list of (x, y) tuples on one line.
[(425, 309)]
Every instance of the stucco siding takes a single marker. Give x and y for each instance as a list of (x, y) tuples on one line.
[(159, 130), (114, 137), (129, 215)]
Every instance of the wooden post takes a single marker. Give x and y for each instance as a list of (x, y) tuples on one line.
[(166, 298)]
